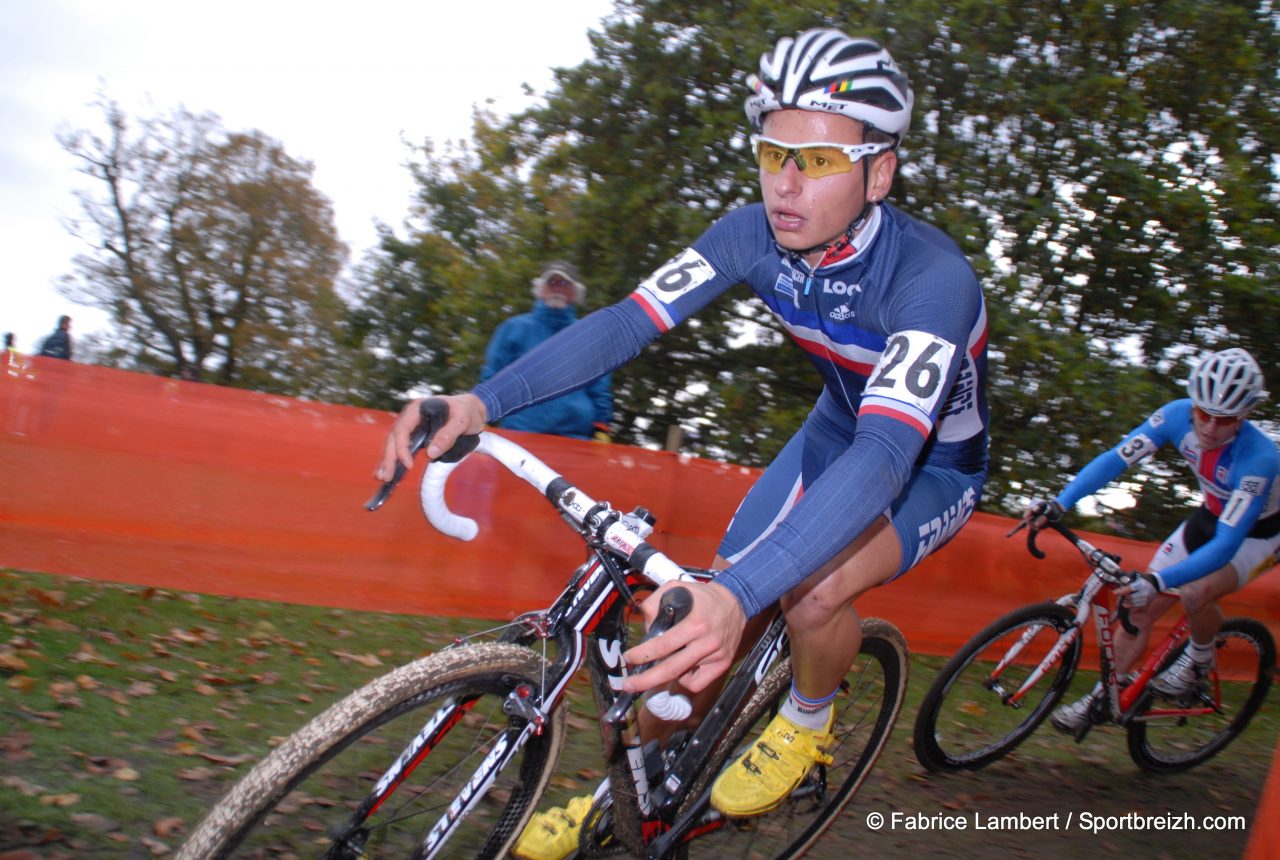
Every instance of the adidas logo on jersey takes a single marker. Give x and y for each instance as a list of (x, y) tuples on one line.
[(841, 313)]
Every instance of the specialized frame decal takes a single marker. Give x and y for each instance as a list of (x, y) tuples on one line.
[(912, 372), (1138, 448)]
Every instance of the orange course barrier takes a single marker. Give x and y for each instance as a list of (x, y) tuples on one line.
[(139, 479)]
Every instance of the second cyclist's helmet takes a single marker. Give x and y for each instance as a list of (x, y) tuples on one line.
[(825, 70), (1226, 383)]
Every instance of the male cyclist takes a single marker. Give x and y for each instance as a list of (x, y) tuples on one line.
[(1231, 537), (890, 462)]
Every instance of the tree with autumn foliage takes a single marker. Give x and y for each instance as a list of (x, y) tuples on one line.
[(1108, 167), (212, 251)]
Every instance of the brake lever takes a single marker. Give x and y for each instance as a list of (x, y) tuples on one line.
[(1122, 612), (433, 413), (416, 443), (675, 605)]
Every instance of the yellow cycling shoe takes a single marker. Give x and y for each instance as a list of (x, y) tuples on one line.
[(765, 774), (553, 834)]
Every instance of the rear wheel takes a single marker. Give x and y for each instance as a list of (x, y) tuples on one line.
[(443, 715), (866, 708), (986, 700), (1244, 656)]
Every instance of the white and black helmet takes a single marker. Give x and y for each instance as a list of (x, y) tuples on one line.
[(1227, 383), (825, 70)]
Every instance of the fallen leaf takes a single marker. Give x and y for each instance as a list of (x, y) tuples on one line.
[(60, 799), (370, 660), (127, 774), (167, 826), (197, 774), (17, 783), (10, 662), (155, 846), (22, 683), (49, 598), (243, 758)]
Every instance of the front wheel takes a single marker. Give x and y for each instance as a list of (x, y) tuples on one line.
[(994, 692), (375, 775), (1244, 656), (866, 708)]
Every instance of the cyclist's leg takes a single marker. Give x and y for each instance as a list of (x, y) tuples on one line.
[(1130, 647), (930, 511), (825, 632), (1204, 617), (824, 627)]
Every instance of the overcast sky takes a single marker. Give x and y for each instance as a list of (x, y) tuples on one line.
[(340, 85)]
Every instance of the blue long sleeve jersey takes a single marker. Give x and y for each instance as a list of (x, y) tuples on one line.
[(896, 327), (1238, 481)]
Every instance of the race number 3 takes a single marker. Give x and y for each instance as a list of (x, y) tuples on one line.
[(679, 275), (912, 369), (1135, 449)]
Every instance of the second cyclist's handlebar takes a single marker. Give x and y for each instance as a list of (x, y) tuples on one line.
[(1106, 565), (621, 533)]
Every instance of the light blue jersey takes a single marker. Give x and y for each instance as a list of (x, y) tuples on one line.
[(1238, 480)]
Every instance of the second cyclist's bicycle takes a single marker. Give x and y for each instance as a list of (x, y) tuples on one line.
[(450, 755), (1002, 684)]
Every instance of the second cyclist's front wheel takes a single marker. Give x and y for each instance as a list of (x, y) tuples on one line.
[(994, 692), (443, 748), (866, 708), (1165, 738)]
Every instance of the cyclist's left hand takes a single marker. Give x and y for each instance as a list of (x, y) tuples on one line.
[(696, 651)]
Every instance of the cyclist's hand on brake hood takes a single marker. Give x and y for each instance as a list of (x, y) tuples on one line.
[(466, 416), (697, 650)]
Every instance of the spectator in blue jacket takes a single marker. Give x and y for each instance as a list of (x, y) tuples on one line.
[(583, 414)]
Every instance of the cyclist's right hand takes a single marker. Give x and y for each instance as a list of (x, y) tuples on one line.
[(697, 650), (466, 415)]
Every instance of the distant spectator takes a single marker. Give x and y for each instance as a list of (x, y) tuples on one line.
[(582, 414), (58, 344)]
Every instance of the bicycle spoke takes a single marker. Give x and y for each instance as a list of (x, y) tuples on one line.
[(1173, 735), (997, 689), (866, 708), (307, 799)]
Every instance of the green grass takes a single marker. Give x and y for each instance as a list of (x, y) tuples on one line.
[(127, 711)]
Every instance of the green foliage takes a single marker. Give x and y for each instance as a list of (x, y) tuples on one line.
[(1109, 169), (212, 251)]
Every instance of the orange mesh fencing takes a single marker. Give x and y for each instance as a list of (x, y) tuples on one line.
[(139, 479)]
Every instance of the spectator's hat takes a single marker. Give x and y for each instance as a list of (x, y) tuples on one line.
[(565, 270)]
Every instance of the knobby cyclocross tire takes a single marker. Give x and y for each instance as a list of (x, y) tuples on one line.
[(1245, 654), (866, 708), (968, 718), (301, 800)]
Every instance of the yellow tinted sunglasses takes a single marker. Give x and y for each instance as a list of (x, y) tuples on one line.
[(815, 160)]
